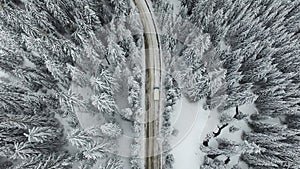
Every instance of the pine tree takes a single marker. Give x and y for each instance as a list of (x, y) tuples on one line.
[(18, 99), (78, 76), (104, 103), (23, 150), (111, 130), (195, 82), (9, 58), (134, 89), (251, 148), (260, 58), (195, 51), (109, 83), (278, 145), (126, 114), (46, 46), (72, 100), (113, 163), (41, 134), (116, 54), (258, 162), (79, 138), (97, 150), (53, 161), (260, 63), (120, 7), (26, 121)]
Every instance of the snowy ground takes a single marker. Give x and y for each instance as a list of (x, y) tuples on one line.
[(193, 124), (236, 136), (127, 137), (190, 121)]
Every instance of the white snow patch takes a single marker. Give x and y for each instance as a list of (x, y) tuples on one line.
[(193, 124), (125, 141), (126, 138), (236, 136), (190, 120)]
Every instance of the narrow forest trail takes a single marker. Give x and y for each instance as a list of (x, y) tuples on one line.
[(153, 86)]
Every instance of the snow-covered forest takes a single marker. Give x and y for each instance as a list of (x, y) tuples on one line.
[(71, 84), (232, 54), (72, 80)]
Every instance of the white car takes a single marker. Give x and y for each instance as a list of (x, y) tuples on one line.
[(156, 93)]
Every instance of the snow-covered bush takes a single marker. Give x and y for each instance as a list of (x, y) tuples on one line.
[(126, 114), (137, 127)]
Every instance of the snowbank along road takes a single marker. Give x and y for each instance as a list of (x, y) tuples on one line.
[(153, 84)]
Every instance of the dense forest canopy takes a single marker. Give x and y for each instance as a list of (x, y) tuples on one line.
[(58, 59), (61, 58), (241, 52)]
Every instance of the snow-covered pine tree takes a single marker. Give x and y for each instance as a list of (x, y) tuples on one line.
[(113, 162), (47, 46), (195, 82), (126, 114), (195, 50), (261, 53), (104, 103), (52, 161), (111, 130), (278, 146), (116, 54), (79, 138), (133, 93), (98, 150)]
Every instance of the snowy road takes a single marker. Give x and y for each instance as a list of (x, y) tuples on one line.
[(153, 83)]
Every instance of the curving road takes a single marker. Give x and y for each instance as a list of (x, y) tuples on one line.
[(153, 83)]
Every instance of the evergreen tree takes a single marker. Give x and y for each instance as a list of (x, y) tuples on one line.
[(53, 161), (79, 138), (113, 163), (195, 51), (195, 82), (258, 45), (111, 130), (104, 103), (97, 150), (54, 49)]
